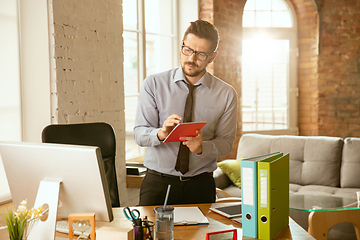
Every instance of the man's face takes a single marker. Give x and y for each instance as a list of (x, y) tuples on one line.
[(191, 65)]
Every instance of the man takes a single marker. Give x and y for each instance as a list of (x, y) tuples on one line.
[(161, 107)]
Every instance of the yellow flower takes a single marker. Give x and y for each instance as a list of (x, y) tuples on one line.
[(41, 209), (22, 217), (24, 202)]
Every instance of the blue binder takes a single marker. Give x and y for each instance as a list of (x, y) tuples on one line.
[(249, 193)]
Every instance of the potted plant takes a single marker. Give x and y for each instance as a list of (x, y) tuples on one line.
[(20, 222)]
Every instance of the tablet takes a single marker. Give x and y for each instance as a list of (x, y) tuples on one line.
[(230, 211)]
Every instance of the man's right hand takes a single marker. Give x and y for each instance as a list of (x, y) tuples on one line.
[(168, 126)]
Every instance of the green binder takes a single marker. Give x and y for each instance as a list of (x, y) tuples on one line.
[(273, 196)]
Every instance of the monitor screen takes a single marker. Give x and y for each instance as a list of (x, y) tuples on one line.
[(80, 170)]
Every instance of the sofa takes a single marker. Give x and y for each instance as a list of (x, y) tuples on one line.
[(328, 166)]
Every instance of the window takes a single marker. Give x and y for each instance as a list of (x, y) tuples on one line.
[(269, 48), (150, 46), (10, 109), (265, 13)]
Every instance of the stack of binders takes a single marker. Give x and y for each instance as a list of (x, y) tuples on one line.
[(265, 195)]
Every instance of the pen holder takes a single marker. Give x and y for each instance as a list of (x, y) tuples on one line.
[(144, 232), (138, 232)]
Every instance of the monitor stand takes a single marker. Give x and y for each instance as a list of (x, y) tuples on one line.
[(48, 193)]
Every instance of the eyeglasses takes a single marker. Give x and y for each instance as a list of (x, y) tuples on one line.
[(188, 52)]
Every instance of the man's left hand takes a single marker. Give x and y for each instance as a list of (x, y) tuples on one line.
[(194, 143)]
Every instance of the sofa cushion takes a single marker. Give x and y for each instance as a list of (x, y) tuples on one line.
[(350, 169), (252, 145), (322, 159), (294, 146), (313, 160), (317, 190), (233, 191), (349, 194), (231, 168)]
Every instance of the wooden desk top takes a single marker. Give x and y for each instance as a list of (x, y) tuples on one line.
[(217, 223)]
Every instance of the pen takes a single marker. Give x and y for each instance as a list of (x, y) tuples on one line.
[(144, 225), (185, 223), (147, 225)]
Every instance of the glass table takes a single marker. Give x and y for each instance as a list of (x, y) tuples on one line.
[(311, 203), (326, 211)]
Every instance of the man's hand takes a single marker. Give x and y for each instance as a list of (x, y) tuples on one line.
[(194, 143), (168, 126)]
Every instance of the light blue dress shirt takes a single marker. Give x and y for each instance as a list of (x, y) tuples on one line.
[(164, 94)]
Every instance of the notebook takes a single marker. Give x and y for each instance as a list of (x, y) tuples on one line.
[(189, 216), (184, 130), (230, 211)]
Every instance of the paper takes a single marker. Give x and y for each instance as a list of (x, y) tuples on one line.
[(263, 188), (248, 186), (189, 216), (184, 130)]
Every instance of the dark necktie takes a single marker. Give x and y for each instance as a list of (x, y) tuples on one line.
[(182, 161)]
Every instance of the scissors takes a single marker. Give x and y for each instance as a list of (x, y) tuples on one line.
[(132, 215)]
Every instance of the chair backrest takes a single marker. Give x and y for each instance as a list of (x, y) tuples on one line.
[(97, 134)]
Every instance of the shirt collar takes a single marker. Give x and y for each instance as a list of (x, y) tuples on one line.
[(204, 80)]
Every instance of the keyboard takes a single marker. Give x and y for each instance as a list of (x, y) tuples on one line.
[(63, 227)]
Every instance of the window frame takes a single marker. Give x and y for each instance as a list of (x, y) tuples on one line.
[(184, 11), (291, 35)]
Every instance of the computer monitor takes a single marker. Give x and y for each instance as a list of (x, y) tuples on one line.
[(80, 169)]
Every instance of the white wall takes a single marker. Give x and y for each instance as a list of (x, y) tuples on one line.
[(88, 83)]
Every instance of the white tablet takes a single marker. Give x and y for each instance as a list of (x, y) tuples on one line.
[(230, 211)]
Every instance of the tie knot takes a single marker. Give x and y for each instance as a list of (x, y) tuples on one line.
[(191, 87)]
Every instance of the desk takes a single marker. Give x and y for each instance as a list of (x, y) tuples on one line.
[(217, 223)]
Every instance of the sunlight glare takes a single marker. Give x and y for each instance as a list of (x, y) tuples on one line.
[(260, 47)]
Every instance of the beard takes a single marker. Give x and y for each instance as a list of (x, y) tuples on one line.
[(196, 71)]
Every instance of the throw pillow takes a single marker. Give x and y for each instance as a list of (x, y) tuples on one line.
[(232, 169)]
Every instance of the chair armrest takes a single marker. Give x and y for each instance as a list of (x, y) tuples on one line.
[(228, 199), (218, 190)]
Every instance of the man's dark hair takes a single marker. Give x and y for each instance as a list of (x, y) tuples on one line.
[(205, 30)]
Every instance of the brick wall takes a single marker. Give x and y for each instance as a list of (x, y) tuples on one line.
[(206, 12), (308, 43), (339, 68), (328, 62), (228, 19), (224, 14), (87, 83)]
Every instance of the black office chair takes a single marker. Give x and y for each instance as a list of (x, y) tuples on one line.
[(98, 134)]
